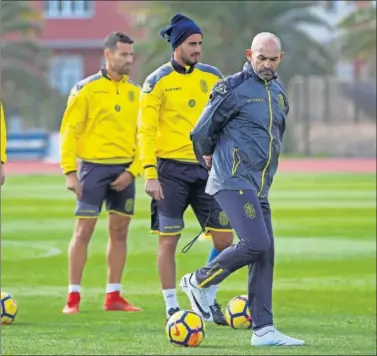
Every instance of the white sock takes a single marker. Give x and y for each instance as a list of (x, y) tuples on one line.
[(170, 296), (74, 288), (113, 287), (211, 294)]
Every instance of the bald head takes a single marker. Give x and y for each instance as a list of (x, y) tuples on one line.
[(265, 54), (265, 39)]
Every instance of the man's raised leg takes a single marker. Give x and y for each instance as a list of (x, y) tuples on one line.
[(256, 248), (245, 215)]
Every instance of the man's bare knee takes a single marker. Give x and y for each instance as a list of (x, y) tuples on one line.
[(84, 230), (168, 243), (222, 239), (118, 226)]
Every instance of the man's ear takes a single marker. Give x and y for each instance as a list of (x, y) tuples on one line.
[(281, 55), (248, 54), (106, 53)]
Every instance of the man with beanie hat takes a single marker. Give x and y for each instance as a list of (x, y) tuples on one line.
[(172, 99)]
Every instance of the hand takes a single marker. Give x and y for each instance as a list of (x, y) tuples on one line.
[(208, 160), (73, 184), (154, 189), (122, 182), (2, 174)]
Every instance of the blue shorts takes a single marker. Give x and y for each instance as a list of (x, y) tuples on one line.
[(184, 184), (95, 180)]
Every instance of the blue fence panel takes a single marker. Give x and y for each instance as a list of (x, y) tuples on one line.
[(27, 146)]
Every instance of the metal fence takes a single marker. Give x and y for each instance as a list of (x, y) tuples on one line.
[(330, 116)]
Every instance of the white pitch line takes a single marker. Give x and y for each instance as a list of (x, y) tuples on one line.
[(305, 283), (25, 249), (50, 193), (275, 204), (286, 248), (64, 224)]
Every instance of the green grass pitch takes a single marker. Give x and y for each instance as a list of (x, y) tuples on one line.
[(325, 279)]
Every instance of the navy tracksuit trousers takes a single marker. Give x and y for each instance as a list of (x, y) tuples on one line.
[(251, 219)]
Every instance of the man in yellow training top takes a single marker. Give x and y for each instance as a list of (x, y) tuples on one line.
[(99, 127), (172, 100), (3, 144)]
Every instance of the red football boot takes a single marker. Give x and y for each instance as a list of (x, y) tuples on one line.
[(114, 302), (73, 303)]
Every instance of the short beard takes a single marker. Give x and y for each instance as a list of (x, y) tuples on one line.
[(188, 62), (119, 71), (270, 74)]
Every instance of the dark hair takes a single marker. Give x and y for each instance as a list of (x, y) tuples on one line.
[(113, 38)]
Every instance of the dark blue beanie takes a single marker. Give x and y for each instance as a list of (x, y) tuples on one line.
[(180, 28)]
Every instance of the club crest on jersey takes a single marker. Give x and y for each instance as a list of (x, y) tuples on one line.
[(131, 96), (191, 103), (204, 86), (117, 108)]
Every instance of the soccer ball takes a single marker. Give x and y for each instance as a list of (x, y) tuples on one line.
[(8, 308), (185, 328), (237, 313)]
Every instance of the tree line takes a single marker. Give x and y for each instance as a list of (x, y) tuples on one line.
[(228, 28)]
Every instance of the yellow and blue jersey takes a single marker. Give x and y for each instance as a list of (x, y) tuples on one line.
[(171, 102), (100, 123)]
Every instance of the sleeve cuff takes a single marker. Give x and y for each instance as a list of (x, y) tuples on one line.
[(134, 171), (150, 173), (68, 167)]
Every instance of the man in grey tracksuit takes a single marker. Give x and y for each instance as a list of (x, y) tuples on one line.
[(239, 137)]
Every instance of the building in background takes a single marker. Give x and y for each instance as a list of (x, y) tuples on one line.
[(74, 30)]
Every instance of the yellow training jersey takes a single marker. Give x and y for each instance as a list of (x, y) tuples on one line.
[(100, 123), (171, 102), (3, 143)]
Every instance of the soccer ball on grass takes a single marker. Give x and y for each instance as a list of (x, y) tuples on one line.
[(237, 313), (185, 328), (8, 308)]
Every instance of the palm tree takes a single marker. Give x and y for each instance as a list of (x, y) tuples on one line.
[(359, 37), (23, 61), (229, 27)]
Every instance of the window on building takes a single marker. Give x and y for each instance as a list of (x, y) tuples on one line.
[(65, 72), (68, 8)]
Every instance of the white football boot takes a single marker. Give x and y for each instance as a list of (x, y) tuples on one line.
[(197, 296), (269, 336)]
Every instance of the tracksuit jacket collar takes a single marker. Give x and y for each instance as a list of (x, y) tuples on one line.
[(180, 69)]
